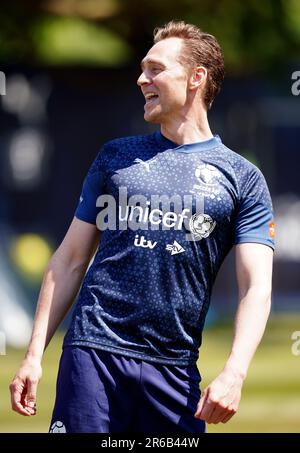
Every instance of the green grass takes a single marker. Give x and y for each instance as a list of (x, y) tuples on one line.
[(271, 394)]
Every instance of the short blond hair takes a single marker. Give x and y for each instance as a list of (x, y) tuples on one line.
[(199, 49)]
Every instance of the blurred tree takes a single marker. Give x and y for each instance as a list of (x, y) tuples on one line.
[(255, 35)]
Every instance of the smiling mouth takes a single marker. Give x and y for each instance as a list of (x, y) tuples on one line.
[(151, 97)]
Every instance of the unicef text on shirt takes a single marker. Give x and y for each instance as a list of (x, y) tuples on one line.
[(160, 212)]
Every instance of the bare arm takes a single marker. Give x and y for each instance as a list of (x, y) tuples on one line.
[(61, 282), (220, 400)]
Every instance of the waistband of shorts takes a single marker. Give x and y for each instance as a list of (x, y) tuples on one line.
[(133, 354)]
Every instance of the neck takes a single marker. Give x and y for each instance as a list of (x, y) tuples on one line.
[(187, 129)]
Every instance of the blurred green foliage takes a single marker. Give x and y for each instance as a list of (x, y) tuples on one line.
[(72, 40), (256, 35)]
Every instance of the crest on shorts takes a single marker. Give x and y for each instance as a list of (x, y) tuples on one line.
[(58, 427)]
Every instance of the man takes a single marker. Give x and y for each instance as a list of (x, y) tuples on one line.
[(169, 206)]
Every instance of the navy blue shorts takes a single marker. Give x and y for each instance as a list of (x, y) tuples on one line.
[(101, 392)]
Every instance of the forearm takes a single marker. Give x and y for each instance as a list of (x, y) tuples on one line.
[(61, 283), (251, 318), (220, 400)]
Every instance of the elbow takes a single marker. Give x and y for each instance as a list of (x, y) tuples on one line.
[(61, 263), (257, 300), (259, 292)]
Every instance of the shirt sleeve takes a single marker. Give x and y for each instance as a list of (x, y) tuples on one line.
[(92, 188), (255, 219)]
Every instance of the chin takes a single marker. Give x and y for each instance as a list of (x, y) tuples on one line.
[(152, 118)]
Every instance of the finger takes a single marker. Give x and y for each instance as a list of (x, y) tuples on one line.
[(207, 410), (218, 414), (31, 395), (24, 403), (201, 403), (227, 417), (16, 395), (17, 407), (231, 410), (23, 398)]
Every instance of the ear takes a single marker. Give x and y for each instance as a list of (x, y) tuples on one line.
[(198, 77)]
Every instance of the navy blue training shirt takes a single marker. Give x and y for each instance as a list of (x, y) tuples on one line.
[(168, 216)]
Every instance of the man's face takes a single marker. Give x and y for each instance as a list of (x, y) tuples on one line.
[(164, 81)]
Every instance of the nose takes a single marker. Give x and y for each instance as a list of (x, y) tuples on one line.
[(143, 79)]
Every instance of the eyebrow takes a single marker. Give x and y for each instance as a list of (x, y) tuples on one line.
[(150, 60)]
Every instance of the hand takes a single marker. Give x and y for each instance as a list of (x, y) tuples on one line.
[(24, 387), (220, 400)]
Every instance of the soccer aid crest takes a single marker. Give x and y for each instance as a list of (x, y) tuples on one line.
[(207, 174), (58, 427), (201, 225)]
